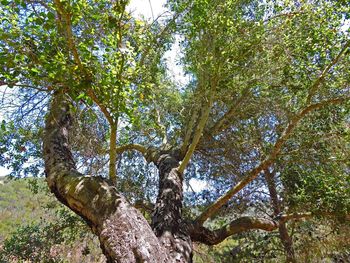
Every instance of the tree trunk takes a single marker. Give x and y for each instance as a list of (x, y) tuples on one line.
[(282, 228), (124, 234), (167, 221)]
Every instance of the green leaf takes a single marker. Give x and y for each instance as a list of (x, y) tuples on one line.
[(3, 125), (51, 15)]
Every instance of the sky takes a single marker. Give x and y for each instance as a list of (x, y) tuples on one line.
[(145, 8)]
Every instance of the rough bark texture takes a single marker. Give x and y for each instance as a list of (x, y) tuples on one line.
[(167, 221), (124, 234), (282, 228)]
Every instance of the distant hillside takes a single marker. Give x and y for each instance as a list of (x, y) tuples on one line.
[(19, 206), (26, 216)]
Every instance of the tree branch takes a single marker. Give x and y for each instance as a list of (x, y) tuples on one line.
[(295, 216), (163, 129), (288, 15), (65, 19), (103, 109), (3, 83), (214, 208), (151, 154), (112, 173), (321, 77), (212, 237), (155, 41), (112, 138), (198, 134), (189, 130), (132, 146)]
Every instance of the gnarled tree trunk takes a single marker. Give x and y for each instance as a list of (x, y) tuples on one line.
[(124, 234)]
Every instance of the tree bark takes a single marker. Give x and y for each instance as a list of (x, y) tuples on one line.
[(124, 234), (282, 227), (167, 220)]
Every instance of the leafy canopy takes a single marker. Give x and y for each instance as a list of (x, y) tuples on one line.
[(269, 84)]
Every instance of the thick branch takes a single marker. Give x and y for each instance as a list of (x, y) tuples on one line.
[(167, 219), (208, 90), (113, 154), (243, 224), (212, 237), (286, 239), (271, 185), (214, 208), (189, 130)]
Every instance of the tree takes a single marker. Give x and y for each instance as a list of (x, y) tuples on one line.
[(262, 74)]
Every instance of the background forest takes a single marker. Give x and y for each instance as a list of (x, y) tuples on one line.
[(243, 157)]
